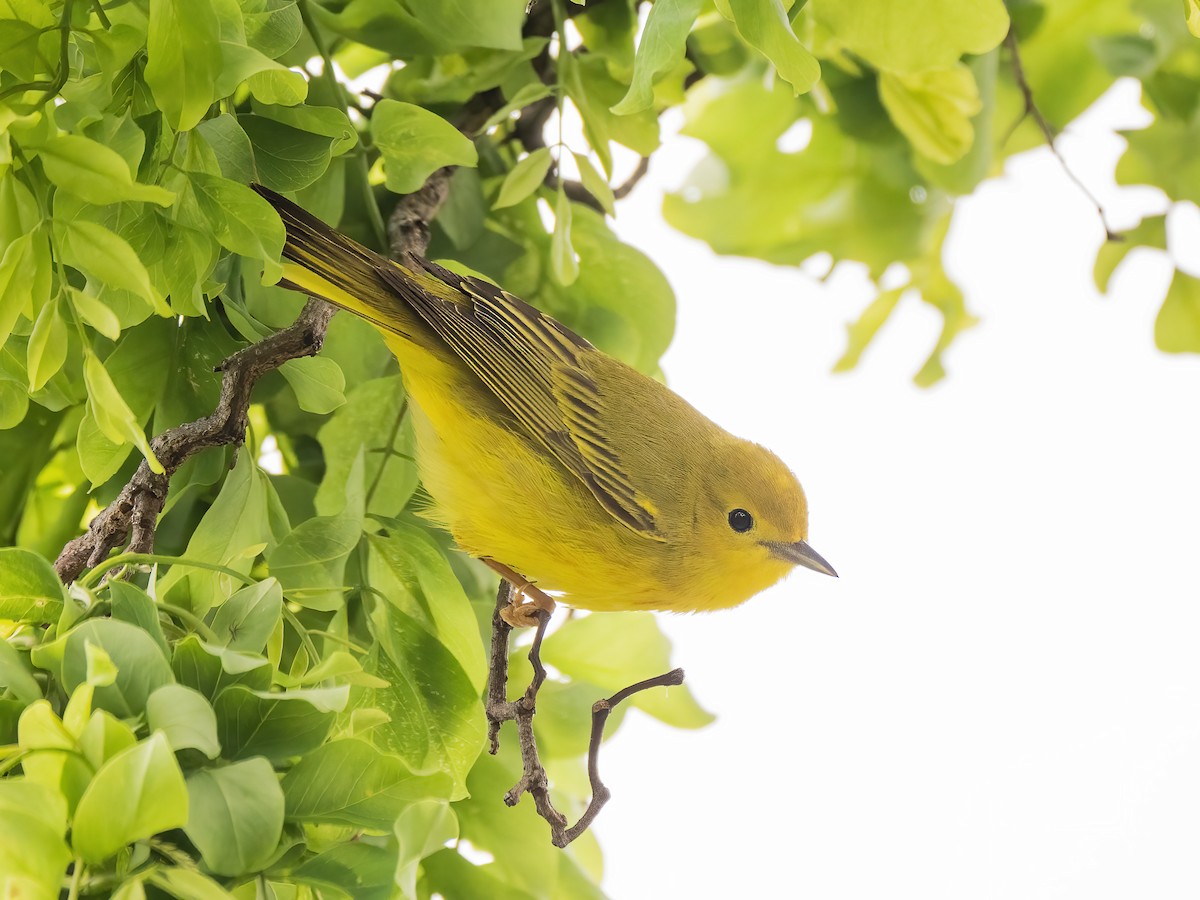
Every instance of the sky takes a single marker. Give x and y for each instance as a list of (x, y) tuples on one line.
[(1000, 697)]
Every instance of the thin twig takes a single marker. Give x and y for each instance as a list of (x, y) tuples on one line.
[(1031, 110), (499, 710), (600, 713), (579, 194)]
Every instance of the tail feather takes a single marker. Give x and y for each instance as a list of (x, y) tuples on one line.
[(326, 263)]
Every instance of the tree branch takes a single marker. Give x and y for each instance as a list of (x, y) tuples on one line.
[(134, 513), (499, 710), (1031, 110), (137, 507)]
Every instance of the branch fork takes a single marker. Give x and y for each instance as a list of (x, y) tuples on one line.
[(522, 710)]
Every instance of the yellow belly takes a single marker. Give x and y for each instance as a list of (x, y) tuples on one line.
[(501, 495)]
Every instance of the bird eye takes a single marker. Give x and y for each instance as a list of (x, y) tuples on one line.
[(740, 520)]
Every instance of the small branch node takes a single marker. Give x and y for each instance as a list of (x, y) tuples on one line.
[(533, 780)]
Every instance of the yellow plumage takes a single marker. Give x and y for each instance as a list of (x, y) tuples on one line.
[(547, 456)]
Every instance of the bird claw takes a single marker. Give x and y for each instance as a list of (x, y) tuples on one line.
[(523, 611), (527, 598)]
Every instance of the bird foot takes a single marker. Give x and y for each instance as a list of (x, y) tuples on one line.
[(525, 614), (528, 600)]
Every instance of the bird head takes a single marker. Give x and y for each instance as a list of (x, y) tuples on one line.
[(752, 522)]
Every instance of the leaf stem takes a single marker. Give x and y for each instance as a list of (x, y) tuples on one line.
[(99, 7), (391, 443), (93, 577), (191, 618), (76, 874), (302, 633)]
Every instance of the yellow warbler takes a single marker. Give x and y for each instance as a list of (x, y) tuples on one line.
[(565, 469)]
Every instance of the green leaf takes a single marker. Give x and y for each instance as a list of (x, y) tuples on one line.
[(139, 368), (234, 530), (42, 735), (432, 658), (47, 349), (18, 270), (764, 24), (318, 120), (108, 258), (1164, 155), (415, 143), (1177, 327), (1191, 10), (183, 59), (141, 667), (29, 589), (318, 383), (563, 261), (131, 604), (246, 620), (272, 26), (659, 51), (1150, 232), (474, 23), (422, 829), (188, 884), (356, 869), (185, 717), (524, 178), (349, 782), (231, 145), (933, 109), (33, 854), (310, 561), (101, 671), (617, 649), (235, 815), (24, 45), (95, 312), (923, 34), (373, 422), (275, 725), (595, 183), (409, 569), (289, 159), (22, 796), (94, 173), (135, 795), (240, 219), (104, 737), (210, 669), (628, 305), (863, 331), (111, 413), (14, 668)]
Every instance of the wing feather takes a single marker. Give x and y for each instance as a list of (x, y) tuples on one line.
[(533, 366)]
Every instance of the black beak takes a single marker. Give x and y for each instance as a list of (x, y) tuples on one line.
[(801, 554)]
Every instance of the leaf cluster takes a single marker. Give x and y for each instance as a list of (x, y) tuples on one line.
[(285, 699)]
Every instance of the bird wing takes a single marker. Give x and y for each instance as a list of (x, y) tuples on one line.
[(532, 364)]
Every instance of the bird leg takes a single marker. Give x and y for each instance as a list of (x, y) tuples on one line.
[(521, 614)]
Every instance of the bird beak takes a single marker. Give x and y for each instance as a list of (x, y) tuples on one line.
[(801, 554)]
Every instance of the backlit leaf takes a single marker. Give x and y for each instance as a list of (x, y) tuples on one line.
[(415, 143), (135, 795), (235, 815)]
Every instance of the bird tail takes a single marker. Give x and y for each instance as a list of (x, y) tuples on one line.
[(325, 263)]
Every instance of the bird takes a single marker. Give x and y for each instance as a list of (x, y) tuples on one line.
[(574, 476)]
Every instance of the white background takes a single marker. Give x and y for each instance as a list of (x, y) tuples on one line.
[(1000, 698)]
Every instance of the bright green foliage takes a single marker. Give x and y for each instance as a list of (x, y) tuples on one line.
[(288, 701)]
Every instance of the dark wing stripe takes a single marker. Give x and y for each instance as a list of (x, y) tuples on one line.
[(532, 365)]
